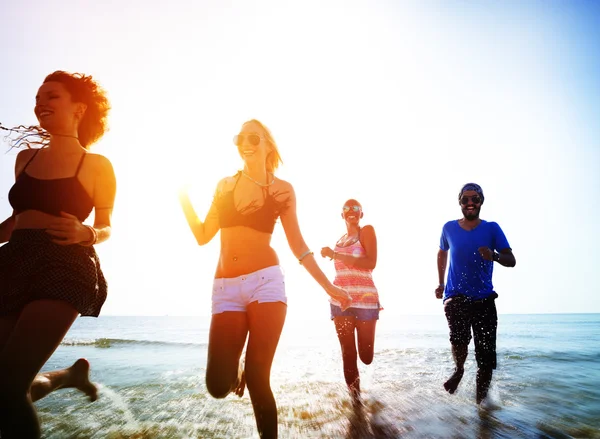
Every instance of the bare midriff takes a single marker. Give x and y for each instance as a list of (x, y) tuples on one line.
[(244, 251), (33, 219)]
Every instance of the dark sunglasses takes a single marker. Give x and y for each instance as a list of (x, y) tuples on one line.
[(474, 199), (346, 209), (253, 139)]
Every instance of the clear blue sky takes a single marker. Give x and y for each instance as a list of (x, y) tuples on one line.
[(394, 103)]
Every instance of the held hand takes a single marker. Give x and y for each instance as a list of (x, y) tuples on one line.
[(486, 253), (68, 230), (439, 292), (341, 296), (327, 252)]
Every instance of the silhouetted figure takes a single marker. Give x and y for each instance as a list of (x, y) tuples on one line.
[(49, 270)]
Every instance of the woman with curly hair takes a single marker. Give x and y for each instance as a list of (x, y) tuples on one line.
[(248, 299), (49, 270)]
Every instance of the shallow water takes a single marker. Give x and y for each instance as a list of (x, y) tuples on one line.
[(151, 376)]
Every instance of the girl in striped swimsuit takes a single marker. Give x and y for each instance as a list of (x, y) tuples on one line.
[(355, 257)]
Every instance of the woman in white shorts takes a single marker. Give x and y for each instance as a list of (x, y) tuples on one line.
[(249, 299)]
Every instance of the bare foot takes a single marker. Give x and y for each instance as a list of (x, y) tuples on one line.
[(241, 384), (79, 377), (453, 381)]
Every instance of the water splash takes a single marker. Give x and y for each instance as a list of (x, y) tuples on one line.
[(118, 402)]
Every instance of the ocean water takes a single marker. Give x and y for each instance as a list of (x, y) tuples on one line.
[(150, 371)]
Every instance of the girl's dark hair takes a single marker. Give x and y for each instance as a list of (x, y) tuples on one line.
[(92, 126)]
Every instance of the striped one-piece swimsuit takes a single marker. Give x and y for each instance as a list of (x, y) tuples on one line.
[(358, 282)]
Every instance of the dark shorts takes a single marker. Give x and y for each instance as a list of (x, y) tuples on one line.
[(463, 315), (361, 314), (32, 267)]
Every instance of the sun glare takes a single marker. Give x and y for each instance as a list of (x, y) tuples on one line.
[(392, 104)]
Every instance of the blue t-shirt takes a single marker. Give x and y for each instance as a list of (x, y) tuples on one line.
[(469, 274)]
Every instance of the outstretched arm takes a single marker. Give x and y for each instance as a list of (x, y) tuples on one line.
[(205, 231), (289, 221)]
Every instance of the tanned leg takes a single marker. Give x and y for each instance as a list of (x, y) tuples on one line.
[(366, 340), (265, 322), (37, 333), (345, 328), (77, 376), (228, 332)]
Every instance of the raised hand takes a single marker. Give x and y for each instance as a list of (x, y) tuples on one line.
[(327, 252)]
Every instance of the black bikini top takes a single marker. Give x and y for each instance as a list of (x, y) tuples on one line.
[(260, 218), (50, 196)]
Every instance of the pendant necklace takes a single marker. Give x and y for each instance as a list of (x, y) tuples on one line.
[(258, 182)]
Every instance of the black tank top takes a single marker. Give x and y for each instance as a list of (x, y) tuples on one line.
[(50, 196), (260, 218)]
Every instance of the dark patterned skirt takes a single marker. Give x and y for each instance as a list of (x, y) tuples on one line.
[(32, 267)]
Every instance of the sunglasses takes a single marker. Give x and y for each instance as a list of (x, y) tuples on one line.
[(346, 209), (474, 199), (253, 139)]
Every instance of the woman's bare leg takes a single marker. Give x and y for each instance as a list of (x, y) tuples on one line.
[(77, 376), (37, 333), (345, 328), (366, 340), (228, 332), (265, 321)]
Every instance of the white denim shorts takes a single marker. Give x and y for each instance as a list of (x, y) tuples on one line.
[(235, 293)]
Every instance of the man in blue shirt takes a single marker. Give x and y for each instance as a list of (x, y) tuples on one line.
[(469, 295)]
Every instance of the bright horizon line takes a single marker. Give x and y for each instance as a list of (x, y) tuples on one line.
[(412, 315)]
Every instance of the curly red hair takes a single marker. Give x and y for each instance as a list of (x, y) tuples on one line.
[(84, 89)]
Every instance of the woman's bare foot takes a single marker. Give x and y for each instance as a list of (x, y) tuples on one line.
[(79, 377), (454, 381), (241, 382)]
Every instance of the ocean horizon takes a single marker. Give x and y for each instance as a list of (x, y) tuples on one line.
[(150, 373)]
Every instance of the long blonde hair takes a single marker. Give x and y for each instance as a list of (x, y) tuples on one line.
[(273, 157)]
